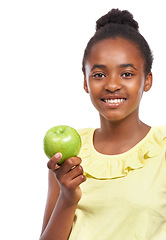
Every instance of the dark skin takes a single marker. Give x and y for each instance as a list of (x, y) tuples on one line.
[(115, 70), (63, 196), (115, 81)]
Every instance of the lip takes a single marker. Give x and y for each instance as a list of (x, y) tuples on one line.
[(113, 105), (113, 96)]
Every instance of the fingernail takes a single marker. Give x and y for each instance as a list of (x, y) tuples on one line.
[(58, 155)]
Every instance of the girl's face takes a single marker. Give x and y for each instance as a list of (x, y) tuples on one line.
[(115, 78)]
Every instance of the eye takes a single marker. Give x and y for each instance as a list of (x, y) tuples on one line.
[(127, 75), (98, 75)]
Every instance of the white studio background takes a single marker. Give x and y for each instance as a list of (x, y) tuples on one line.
[(41, 48)]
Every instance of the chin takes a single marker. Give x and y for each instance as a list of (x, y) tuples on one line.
[(113, 118), (120, 116)]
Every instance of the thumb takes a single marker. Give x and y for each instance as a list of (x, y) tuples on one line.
[(54, 160), (57, 157)]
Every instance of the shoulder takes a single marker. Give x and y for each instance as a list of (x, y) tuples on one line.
[(85, 133), (159, 132), (157, 139)]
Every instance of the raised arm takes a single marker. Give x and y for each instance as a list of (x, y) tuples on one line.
[(64, 194)]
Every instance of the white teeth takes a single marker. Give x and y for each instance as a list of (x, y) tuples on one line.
[(114, 100)]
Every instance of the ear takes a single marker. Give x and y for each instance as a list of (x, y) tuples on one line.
[(86, 85), (148, 82)]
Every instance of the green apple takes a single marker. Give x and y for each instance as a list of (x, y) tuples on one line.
[(63, 139)]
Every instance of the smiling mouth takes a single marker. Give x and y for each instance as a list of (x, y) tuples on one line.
[(114, 101)]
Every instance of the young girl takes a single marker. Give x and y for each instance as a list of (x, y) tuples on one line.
[(116, 188)]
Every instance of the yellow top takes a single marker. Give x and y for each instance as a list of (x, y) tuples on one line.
[(124, 197)]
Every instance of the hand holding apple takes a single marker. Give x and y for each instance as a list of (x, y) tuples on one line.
[(63, 139)]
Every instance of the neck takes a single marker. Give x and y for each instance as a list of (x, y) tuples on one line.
[(115, 137), (121, 129)]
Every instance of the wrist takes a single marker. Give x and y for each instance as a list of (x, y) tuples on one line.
[(67, 202)]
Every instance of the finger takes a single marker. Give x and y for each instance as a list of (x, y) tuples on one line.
[(52, 163), (69, 164), (57, 157), (75, 172), (77, 181)]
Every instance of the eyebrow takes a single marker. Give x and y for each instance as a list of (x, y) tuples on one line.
[(98, 66), (127, 65), (121, 66)]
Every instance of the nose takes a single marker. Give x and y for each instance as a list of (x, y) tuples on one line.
[(113, 84)]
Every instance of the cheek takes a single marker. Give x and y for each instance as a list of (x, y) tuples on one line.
[(94, 94), (136, 98), (94, 87), (136, 88)]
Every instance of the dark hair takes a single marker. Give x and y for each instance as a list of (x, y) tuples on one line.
[(117, 23)]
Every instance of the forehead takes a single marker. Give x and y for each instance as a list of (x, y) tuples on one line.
[(115, 51)]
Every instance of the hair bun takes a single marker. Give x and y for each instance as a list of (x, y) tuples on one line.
[(119, 17)]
